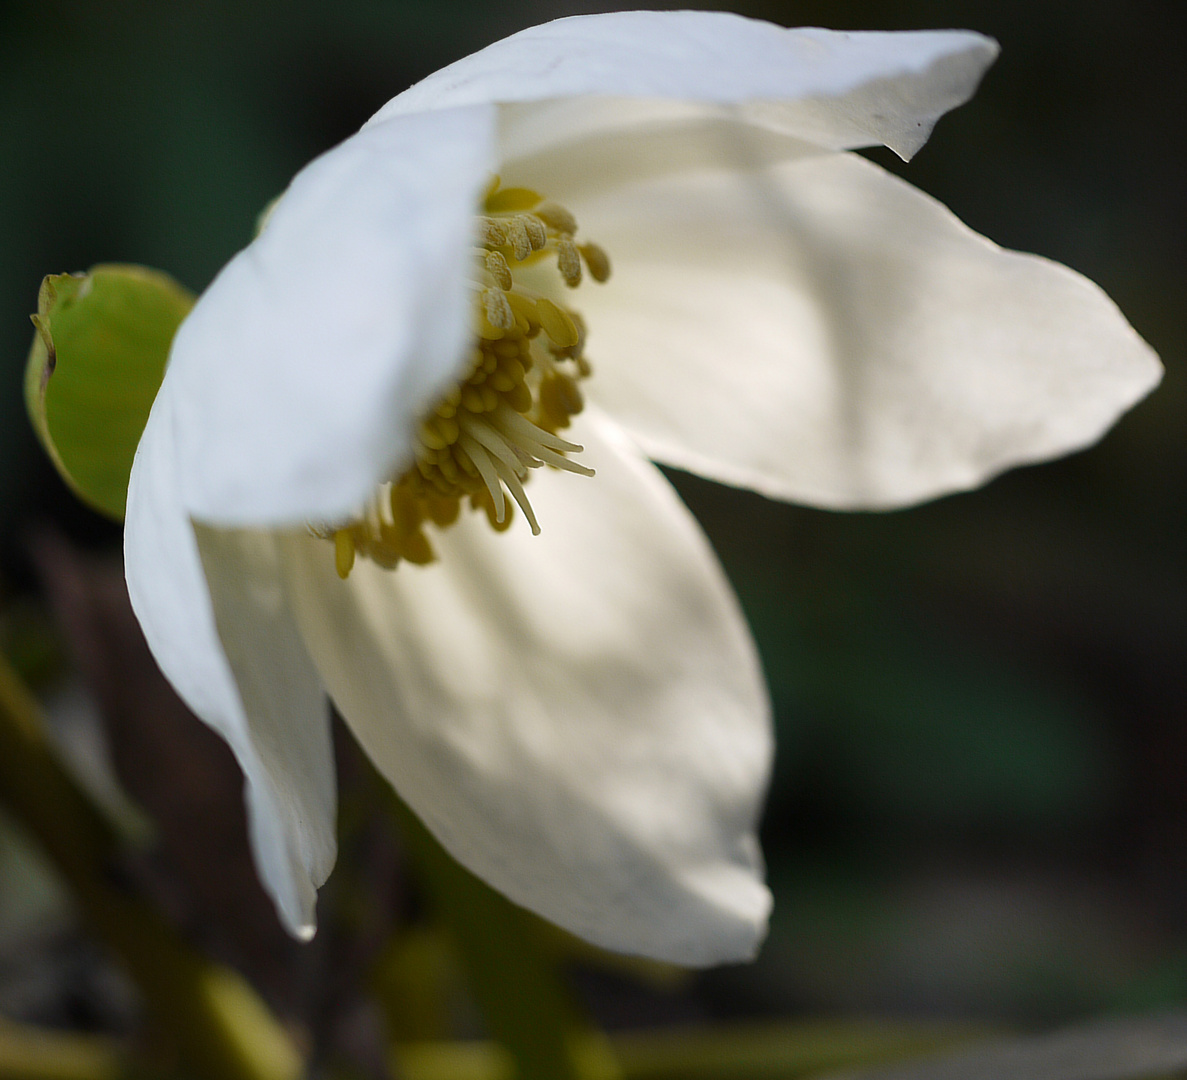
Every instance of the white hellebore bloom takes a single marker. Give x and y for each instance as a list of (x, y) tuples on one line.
[(579, 716)]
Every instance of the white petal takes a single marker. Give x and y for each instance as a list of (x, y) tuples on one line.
[(303, 367), (825, 333), (214, 615), (579, 717), (835, 88), (582, 150)]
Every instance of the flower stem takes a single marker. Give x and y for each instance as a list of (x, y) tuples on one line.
[(756, 1051), (527, 1007), (40, 1054), (218, 1026)]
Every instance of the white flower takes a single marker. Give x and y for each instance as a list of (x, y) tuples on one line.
[(580, 716)]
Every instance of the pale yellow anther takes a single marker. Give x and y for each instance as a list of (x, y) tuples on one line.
[(557, 324), (383, 554), (511, 199), (501, 419), (387, 546), (596, 260), (568, 262), (534, 227), (485, 329), (442, 511), (463, 461), (556, 217), (519, 397), (406, 512), (560, 398), (526, 308), (510, 372), (517, 237), (497, 310), (496, 266), (491, 233), (447, 428), (343, 553), (429, 435)]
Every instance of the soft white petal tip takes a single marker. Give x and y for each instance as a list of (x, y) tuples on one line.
[(299, 916), (750, 945), (304, 932), (735, 936)]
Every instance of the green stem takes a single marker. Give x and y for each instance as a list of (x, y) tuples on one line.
[(28, 1053), (220, 1028), (785, 1051), (527, 1006)]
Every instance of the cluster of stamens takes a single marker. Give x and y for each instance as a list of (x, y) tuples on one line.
[(503, 417)]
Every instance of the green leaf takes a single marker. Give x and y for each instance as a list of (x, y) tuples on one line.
[(96, 364)]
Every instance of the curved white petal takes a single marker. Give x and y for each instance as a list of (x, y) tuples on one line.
[(834, 88), (584, 150), (825, 333), (579, 717), (303, 368), (214, 614)]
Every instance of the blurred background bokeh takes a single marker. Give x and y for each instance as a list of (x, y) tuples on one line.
[(980, 800)]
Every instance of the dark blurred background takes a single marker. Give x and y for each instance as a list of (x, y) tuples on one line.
[(980, 803)]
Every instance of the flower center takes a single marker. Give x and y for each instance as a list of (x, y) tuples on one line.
[(521, 387)]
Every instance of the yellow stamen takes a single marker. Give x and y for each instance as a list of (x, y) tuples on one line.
[(510, 199), (596, 260), (556, 217), (496, 309), (557, 323), (568, 262), (500, 421), (496, 265), (343, 553)]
